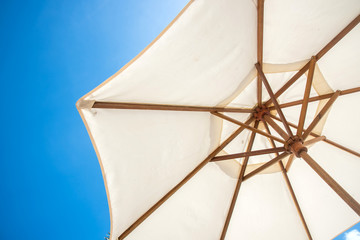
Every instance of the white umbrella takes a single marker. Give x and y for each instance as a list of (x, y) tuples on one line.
[(198, 136)]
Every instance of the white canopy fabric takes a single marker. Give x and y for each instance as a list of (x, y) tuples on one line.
[(206, 57)]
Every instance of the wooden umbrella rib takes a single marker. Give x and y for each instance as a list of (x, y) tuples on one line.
[(317, 98), (266, 165), (288, 184), (276, 127), (260, 37), (290, 162), (247, 126), (314, 140), (306, 96), (325, 140), (248, 154), (338, 37), (351, 90), (290, 82), (145, 106), (238, 184), (331, 182), (293, 196), (273, 98), (341, 147), (182, 182), (260, 30), (320, 54), (269, 132), (320, 115)]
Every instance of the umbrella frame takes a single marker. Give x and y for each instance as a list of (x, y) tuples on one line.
[(294, 145)]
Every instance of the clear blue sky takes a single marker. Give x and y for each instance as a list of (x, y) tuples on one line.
[(352, 233), (52, 53)]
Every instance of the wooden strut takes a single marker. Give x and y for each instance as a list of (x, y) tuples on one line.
[(317, 98), (339, 146), (293, 196), (238, 184), (319, 55), (320, 115), (325, 139), (331, 182), (247, 126), (306, 97), (273, 98), (290, 188), (314, 140), (265, 165), (276, 127), (289, 162), (290, 82), (185, 180), (248, 154), (141, 106), (338, 37)]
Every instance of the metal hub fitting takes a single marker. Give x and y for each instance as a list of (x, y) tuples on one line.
[(259, 112), (295, 145)]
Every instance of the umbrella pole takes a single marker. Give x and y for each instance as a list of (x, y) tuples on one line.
[(288, 184), (238, 185), (331, 182), (185, 180), (307, 143)]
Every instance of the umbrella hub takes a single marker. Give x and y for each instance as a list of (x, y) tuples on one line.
[(295, 145), (260, 111)]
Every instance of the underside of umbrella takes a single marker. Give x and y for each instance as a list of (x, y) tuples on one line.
[(239, 121)]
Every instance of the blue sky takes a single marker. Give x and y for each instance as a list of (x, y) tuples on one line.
[(352, 233), (52, 53)]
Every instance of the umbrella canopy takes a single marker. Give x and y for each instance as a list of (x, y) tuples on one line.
[(239, 121)]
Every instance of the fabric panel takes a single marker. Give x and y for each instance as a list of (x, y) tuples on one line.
[(145, 154), (297, 30), (211, 46), (197, 211), (265, 210)]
